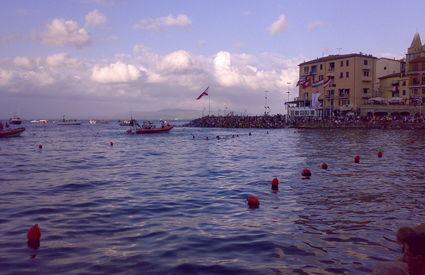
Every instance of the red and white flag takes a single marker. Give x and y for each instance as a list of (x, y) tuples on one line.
[(204, 93)]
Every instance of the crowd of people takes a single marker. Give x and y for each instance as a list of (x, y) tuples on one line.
[(280, 121)]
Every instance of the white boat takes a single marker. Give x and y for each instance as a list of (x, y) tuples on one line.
[(69, 122)]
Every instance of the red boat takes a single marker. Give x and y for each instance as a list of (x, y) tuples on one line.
[(11, 132), (151, 130)]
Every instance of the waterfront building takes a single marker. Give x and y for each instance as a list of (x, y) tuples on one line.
[(360, 84), (334, 85)]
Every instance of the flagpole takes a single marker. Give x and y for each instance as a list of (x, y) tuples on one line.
[(209, 105)]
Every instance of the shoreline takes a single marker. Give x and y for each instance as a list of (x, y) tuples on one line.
[(279, 121)]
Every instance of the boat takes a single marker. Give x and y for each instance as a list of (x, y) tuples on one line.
[(11, 132), (148, 127), (68, 122), (94, 121), (125, 122), (43, 121), (15, 120)]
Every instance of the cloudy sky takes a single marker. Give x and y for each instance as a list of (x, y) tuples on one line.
[(99, 58)]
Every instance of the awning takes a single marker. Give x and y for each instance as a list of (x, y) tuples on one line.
[(396, 99), (378, 99)]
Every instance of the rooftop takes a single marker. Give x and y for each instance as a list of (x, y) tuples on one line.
[(336, 57)]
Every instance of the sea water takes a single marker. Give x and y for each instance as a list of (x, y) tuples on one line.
[(175, 203)]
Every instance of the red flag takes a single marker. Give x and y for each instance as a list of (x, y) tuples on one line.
[(204, 93)]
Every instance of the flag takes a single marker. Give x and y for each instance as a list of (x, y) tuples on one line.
[(203, 93), (301, 82), (317, 84), (307, 83), (328, 82), (315, 100)]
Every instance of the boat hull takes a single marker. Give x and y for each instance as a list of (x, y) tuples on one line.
[(151, 131), (15, 121), (11, 132)]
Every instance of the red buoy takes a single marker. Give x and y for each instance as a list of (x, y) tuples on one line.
[(306, 173), (275, 184), (324, 166), (380, 154), (357, 159), (253, 202), (40, 146), (34, 233), (129, 131)]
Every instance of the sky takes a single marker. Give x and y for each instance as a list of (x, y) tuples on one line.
[(103, 58)]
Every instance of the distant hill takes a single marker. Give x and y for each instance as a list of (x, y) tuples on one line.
[(166, 114)]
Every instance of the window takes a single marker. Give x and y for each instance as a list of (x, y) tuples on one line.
[(320, 77), (365, 62), (385, 68), (415, 67), (415, 81), (404, 92), (342, 63), (347, 74), (305, 70), (306, 96), (404, 83), (312, 113), (347, 63), (331, 67), (365, 73), (341, 75), (423, 80), (314, 69), (321, 66), (365, 90)]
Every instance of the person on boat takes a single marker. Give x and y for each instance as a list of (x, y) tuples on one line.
[(1, 125), (7, 125)]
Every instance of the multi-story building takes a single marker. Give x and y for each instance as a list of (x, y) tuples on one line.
[(333, 85), (362, 85), (415, 59)]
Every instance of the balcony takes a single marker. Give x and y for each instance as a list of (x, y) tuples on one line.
[(344, 95), (329, 96), (366, 78), (367, 67)]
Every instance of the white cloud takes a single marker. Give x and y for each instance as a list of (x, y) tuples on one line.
[(61, 60), (5, 77), (23, 62), (22, 11), (315, 25), (155, 24), (140, 48), (64, 33), (116, 72), (151, 80), (279, 25), (95, 18)]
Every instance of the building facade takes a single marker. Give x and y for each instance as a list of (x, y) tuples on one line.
[(359, 84), (334, 85), (415, 59)]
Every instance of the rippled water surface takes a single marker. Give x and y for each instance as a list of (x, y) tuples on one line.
[(168, 204)]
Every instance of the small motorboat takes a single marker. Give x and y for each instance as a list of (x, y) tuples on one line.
[(68, 122), (149, 128), (11, 132), (15, 120)]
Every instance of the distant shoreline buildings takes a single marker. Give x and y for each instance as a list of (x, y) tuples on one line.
[(361, 85)]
